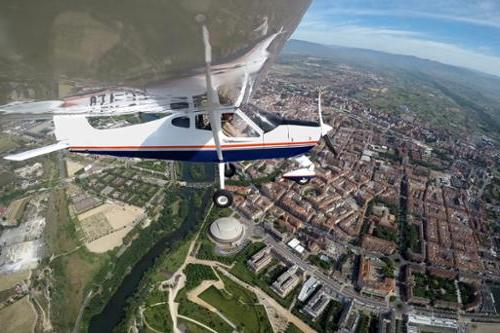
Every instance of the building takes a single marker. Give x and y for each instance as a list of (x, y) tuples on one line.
[(260, 260), (417, 323), (387, 323), (375, 244), (317, 304), (308, 288), (286, 282), (371, 279), (349, 319), (227, 232), (296, 245)]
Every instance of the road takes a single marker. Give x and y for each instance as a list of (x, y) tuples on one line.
[(76, 327), (338, 289)]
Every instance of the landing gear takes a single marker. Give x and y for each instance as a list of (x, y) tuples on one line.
[(229, 170), (222, 198)]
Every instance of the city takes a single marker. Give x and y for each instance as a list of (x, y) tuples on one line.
[(395, 234)]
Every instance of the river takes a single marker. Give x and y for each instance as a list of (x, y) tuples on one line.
[(114, 311)]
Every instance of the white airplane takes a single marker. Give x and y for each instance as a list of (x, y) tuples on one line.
[(197, 128)]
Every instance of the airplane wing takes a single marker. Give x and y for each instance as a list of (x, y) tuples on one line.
[(97, 58), (37, 152)]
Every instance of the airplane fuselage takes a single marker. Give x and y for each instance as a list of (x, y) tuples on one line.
[(183, 137)]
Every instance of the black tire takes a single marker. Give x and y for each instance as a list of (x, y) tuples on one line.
[(303, 181), (222, 198), (229, 170)]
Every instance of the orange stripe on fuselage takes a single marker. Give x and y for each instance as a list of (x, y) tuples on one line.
[(242, 145)]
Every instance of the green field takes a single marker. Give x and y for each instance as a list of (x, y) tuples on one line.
[(158, 318), (233, 301), (196, 273), (198, 313), (72, 273), (192, 327)]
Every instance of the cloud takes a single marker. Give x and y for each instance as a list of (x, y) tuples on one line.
[(399, 42), (408, 13), (477, 12)]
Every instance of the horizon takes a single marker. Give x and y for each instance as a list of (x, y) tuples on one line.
[(332, 46), (462, 33)]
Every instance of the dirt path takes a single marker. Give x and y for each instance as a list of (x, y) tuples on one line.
[(76, 327), (33, 327), (45, 321), (178, 280), (55, 256), (147, 324), (194, 294), (194, 260), (278, 322)]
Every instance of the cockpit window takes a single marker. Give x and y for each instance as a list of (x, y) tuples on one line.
[(202, 122), (233, 125), (181, 122)]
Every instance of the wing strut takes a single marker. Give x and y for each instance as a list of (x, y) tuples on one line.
[(212, 95)]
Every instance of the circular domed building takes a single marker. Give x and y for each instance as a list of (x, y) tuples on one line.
[(227, 232)]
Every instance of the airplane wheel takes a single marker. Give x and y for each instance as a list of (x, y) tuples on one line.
[(229, 170), (223, 198), (303, 181)]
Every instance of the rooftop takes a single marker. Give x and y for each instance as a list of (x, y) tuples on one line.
[(226, 230)]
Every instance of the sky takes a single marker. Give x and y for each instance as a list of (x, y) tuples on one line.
[(464, 33)]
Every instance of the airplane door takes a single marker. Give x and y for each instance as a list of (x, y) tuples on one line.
[(238, 128)]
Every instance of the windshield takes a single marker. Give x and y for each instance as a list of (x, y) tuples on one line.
[(233, 125), (268, 121)]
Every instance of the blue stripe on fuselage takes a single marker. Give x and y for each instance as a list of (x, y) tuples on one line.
[(205, 155)]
